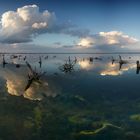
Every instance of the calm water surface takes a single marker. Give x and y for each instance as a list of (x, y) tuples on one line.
[(69, 96)]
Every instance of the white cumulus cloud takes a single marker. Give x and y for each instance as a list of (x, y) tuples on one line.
[(21, 25), (39, 25), (86, 42), (112, 38)]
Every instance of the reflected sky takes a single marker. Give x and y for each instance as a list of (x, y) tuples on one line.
[(84, 92), (87, 69), (16, 81)]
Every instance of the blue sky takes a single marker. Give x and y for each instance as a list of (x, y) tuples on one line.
[(103, 14), (93, 15)]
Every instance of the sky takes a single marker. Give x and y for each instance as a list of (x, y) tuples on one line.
[(69, 25)]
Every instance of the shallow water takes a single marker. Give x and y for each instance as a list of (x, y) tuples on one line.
[(94, 99)]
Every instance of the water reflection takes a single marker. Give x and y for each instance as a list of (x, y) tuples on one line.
[(32, 83), (113, 60), (3, 61), (138, 67), (121, 62), (33, 76), (68, 66), (90, 97), (85, 64), (113, 70), (113, 67), (40, 62), (31, 87)]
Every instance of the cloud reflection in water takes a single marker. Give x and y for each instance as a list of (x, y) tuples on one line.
[(105, 68), (16, 81)]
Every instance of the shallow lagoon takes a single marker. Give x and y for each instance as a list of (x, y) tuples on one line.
[(95, 100)]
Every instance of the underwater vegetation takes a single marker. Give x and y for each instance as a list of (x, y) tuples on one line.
[(135, 117), (52, 97), (104, 125)]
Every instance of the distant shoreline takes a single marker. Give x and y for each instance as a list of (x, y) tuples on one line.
[(69, 53)]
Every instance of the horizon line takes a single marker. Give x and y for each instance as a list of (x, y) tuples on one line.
[(69, 52)]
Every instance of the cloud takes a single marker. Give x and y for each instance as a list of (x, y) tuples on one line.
[(86, 42), (69, 29), (27, 22), (40, 25), (77, 32), (112, 38), (24, 23)]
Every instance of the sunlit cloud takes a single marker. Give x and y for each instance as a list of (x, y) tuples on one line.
[(27, 22), (86, 42), (40, 25), (24, 23), (103, 39)]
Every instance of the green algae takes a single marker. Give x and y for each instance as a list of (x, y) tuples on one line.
[(98, 130), (80, 98), (135, 117), (76, 119)]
